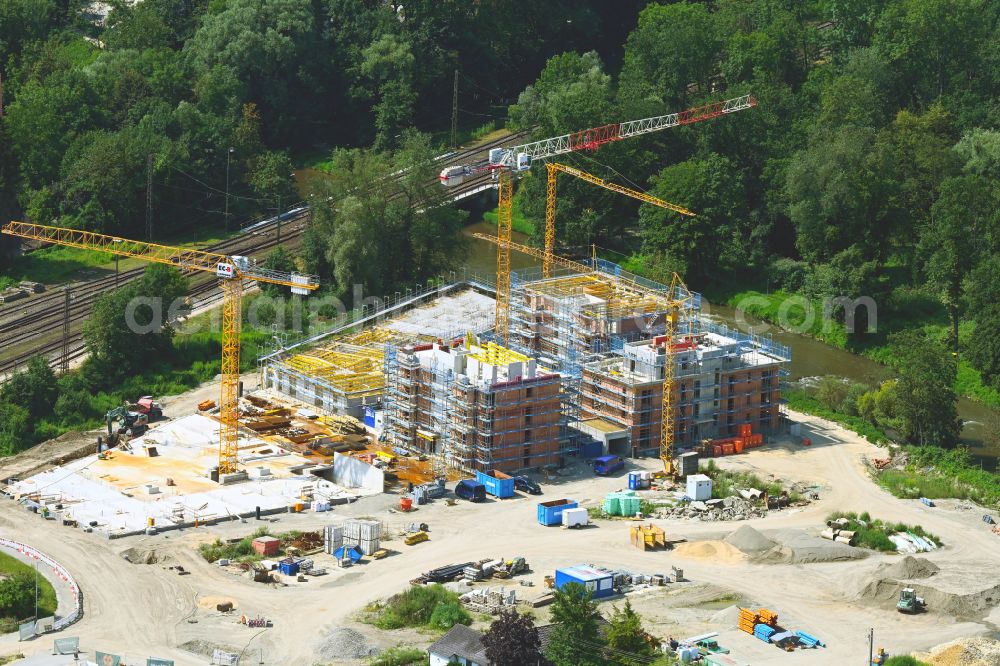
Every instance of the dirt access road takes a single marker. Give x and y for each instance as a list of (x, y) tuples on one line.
[(141, 610)]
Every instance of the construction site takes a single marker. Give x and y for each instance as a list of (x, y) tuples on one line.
[(281, 510)]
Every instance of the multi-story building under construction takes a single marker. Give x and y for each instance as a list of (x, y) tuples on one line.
[(475, 407), (723, 379)]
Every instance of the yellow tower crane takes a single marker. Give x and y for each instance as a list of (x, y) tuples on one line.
[(677, 304), (553, 169), (231, 269)]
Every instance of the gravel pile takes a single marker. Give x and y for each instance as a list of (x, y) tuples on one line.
[(750, 541), (206, 649), (965, 652), (729, 508), (346, 643)]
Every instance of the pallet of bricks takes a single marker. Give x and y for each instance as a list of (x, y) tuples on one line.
[(762, 624)]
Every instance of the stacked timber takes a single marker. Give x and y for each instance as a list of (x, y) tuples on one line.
[(748, 620)]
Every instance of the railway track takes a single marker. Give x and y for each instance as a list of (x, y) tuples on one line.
[(42, 317)]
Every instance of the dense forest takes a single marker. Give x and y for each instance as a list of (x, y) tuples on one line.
[(868, 168)]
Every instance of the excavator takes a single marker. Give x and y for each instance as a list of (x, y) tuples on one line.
[(909, 602), (121, 421)]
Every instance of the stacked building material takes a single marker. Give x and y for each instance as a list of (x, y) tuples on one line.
[(333, 538), (748, 620), (767, 617), (763, 632), (365, 534), (624, 503)]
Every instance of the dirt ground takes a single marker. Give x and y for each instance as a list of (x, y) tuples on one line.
[(149, 609)]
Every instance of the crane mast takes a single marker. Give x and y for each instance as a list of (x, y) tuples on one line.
[(231, 269)]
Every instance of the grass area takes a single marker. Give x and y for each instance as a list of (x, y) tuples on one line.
[(726, 483), (801, 401), (904, 660), (874, 533), (12, 570), (399, 656), (793, 311), (938, 473), (421, 606), (518, 221)]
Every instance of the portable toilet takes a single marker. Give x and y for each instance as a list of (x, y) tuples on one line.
[(699, 487)]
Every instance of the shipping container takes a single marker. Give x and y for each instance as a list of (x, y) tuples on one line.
[(599, 583), (591, 449), (550, 513), (497, 484)]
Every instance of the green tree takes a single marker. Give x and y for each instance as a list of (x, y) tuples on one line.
[(576, 639), (15, 429), (925, 394), (984, 345), (129, 327), (626, 635), (271, 180), (953, 240), (709, 241), (17, 596), (572, 93), (512, 640), (389, 63), (34, 389), (672, 47)]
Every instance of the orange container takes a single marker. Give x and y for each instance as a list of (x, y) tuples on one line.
[(738, 446), (716, 450), (746, 430), (728, 449), (405, 503)]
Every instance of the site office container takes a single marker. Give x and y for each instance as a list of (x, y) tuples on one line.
[(497, 484), (471, 490), (550, 513), (599, 583), (608, 465)]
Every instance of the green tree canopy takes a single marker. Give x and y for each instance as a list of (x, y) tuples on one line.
[(576, 639)]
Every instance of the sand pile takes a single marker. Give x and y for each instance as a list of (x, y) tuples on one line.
[(727, 617), (801, 547), (909, 568), (212, 602), (964, 652), (142, 556), (719, 552), (956, 593)]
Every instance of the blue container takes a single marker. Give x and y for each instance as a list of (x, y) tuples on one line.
[(634, 481), (591, 449), (370, 417), (288, 567), (599, 583), (550, 513), (499, 488), (350, 552), (926, 502)]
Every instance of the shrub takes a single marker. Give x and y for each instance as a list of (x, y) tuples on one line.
[(447, 615), (399, 656), (422, 606)]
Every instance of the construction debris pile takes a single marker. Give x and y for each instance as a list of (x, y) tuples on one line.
[(727, 508), (763, 625)]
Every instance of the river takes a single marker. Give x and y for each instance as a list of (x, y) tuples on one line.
[(810, 357)]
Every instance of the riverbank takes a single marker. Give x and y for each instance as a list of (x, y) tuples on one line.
[(914, 471)]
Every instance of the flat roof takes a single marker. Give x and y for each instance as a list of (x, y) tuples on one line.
[(584, 572), (602, 425)]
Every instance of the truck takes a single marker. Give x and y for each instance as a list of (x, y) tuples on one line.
[(471, 490), (146, 405), (606, 465)]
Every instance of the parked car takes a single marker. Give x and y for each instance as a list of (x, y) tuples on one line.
[(606, 465), (525, 484), (471, 490)]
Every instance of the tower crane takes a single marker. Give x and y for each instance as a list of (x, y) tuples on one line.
[(553, 169), (515, 160), (505, 162), (232, 270)]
